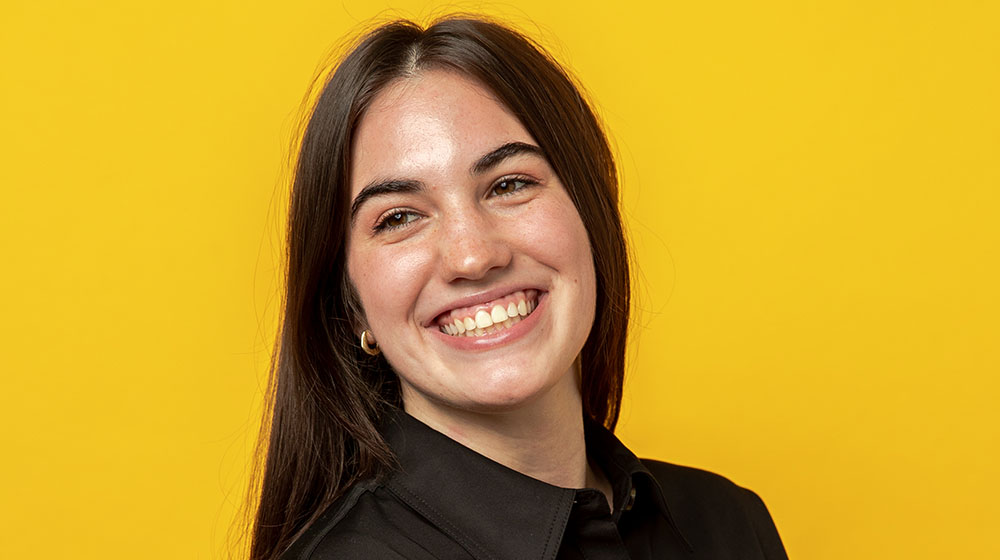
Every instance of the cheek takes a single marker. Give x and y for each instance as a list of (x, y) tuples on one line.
[(388, 280), (560, 241), (556, 231)]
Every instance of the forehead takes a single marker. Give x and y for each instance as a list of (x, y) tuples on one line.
[(435, 122)]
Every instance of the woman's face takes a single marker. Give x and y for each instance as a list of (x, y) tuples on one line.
[(471, 262)]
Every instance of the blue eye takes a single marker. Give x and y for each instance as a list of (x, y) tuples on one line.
[(396, 218)]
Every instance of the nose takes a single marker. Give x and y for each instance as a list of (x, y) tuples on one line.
[(472, 246)]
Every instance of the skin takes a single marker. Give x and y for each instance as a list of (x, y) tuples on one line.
[(454, 238)]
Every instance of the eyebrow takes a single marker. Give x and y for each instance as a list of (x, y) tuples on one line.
[(508, 150), (405, 186)]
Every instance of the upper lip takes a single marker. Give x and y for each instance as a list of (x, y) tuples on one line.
[(479, 298)]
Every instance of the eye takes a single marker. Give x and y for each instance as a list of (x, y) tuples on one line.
[(509, 185), (395, 218)]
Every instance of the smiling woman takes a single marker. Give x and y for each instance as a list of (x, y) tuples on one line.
[(452, 352), (484, 225)]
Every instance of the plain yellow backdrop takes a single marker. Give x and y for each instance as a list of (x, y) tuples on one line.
[(811, 190)]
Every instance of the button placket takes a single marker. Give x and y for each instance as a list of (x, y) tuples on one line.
[(630, 501)]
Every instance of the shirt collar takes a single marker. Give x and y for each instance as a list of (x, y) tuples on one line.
[(463, 492), (626, 473)]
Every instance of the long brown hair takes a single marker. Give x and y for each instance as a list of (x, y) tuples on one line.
[(326, 397)]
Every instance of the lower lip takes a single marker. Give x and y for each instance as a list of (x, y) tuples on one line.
[(497, 338)]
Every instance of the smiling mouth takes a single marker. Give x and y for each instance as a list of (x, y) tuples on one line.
[(483, 319)]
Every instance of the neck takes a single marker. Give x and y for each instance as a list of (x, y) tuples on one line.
[(543, 439)]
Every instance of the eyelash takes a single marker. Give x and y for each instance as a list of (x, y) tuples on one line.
[(382, 224), (525, 181)]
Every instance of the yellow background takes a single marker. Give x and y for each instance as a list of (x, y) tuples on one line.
[(812, 194)]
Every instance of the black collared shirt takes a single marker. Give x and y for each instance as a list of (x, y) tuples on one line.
[(449, 502)]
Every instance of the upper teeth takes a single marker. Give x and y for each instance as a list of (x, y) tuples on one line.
[(487, 321)]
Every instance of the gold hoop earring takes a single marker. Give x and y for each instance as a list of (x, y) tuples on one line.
[(371, 350)]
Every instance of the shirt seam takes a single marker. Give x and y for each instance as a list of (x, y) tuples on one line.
[(563, 516), (461, 538), (349, 502)]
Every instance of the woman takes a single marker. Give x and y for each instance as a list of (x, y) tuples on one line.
[(452, 351)]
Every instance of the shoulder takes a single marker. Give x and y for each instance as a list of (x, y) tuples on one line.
[(709, 508), (349, 529), (370, 523)]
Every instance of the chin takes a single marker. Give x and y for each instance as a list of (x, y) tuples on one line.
[(502, 401), (492, 386), (508, 391)]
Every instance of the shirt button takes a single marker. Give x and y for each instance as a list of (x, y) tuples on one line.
[(630, 501)]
